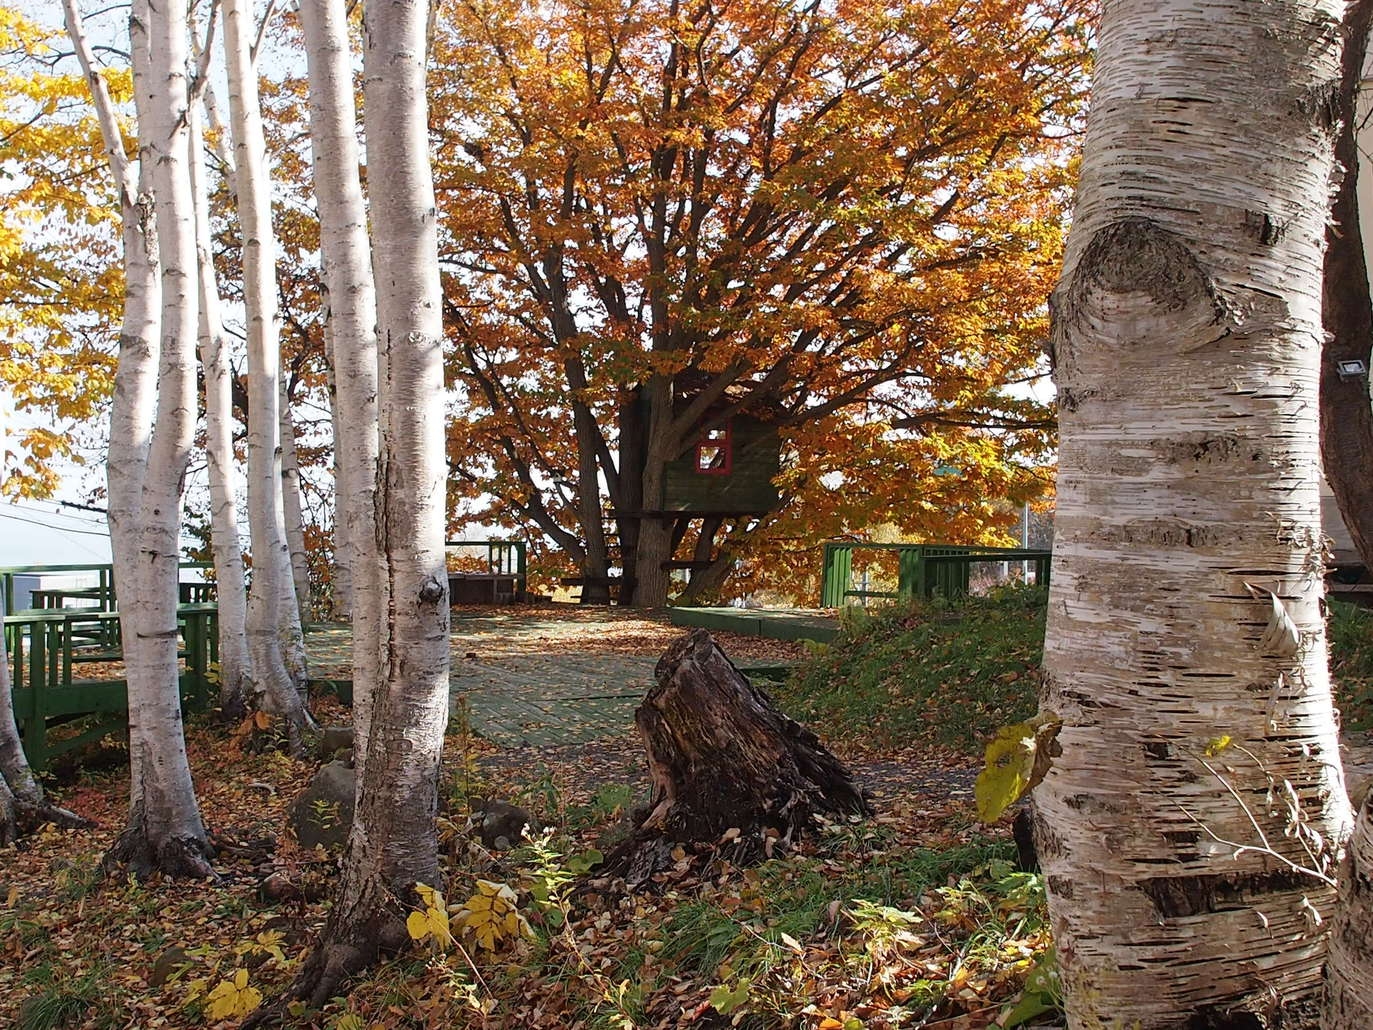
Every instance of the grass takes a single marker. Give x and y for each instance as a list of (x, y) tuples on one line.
[(941, 673), (951, 674), (1351, 663)]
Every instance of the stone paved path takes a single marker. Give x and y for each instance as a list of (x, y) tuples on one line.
[(520, 678)]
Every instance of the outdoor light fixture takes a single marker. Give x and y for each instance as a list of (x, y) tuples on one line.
[(1351, 369)]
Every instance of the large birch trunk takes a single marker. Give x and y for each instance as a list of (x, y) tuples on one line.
[(235, 665), (269, 618), (352, 333), (393, 844), (164, 832), (1187, 882)]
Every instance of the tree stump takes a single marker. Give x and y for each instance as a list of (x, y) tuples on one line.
[(727, 768)]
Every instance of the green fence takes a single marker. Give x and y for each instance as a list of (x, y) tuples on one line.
[(923, 570), (49, 651)]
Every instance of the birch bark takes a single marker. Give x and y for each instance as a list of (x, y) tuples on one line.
[(393, 845), (235, 664), (164, 831), (1186, 599), (352, 334), (293, 509), (271, 639)]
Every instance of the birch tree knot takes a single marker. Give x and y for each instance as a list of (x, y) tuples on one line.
[(432, 590)]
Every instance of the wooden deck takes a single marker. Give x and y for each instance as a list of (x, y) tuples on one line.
[(771, 623)]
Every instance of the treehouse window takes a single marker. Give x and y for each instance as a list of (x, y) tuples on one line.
[(714, 455)]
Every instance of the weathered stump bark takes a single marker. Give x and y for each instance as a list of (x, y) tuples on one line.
[(727, 767)]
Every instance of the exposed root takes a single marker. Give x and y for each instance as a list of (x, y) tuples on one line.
[(348, 945), (180, 858)]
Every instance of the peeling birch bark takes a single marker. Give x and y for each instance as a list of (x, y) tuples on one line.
[(1186, 890), (393, 844)]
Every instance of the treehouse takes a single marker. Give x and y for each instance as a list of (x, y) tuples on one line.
[(727, 471)]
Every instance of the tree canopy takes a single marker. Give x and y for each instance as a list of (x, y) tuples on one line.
[(842, 218), (61, 281)]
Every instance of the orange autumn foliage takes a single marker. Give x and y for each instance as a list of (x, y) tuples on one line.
[(843, 218)]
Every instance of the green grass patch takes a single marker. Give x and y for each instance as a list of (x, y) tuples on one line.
[(940, 672), (1351, 663), (952, 673)]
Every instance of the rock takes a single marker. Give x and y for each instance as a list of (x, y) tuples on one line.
[(278, 887), (166, 966), (500, 825), (333, 739), (323, 814)]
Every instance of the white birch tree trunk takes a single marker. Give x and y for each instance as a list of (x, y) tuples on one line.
[(293, 507), (270, 636), (352, 333), (135, 381), (14, 765), (343, 550), (1186, 887), (393, 845), (164, 831), (235, 664)]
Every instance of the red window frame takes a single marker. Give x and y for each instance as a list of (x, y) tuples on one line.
[(720, 440)]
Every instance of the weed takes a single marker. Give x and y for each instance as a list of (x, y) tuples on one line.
[(62, 1000)]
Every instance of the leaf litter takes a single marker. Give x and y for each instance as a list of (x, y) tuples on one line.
[(915, 918)]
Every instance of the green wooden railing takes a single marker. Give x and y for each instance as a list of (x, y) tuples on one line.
[(503, 558), (48, 651), (923, 570)]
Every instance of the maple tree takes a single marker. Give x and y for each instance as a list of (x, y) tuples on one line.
[(841, 219), (60, 275)]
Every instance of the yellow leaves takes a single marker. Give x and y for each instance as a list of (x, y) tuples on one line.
[(1016, 760), (491, 917), (430, 922), (1216, 745), (233, 998)]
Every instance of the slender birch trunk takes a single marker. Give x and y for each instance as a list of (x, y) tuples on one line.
[(235, 664), (343, 556), (393, 845), (1190, 826), (14, 764), (164, 831), (352, 332), (293, 509), (271, 638)]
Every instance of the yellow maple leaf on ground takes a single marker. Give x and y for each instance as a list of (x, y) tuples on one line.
[(233, 999)]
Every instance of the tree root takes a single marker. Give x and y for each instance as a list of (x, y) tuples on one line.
[(180, 858), (344, 951)]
